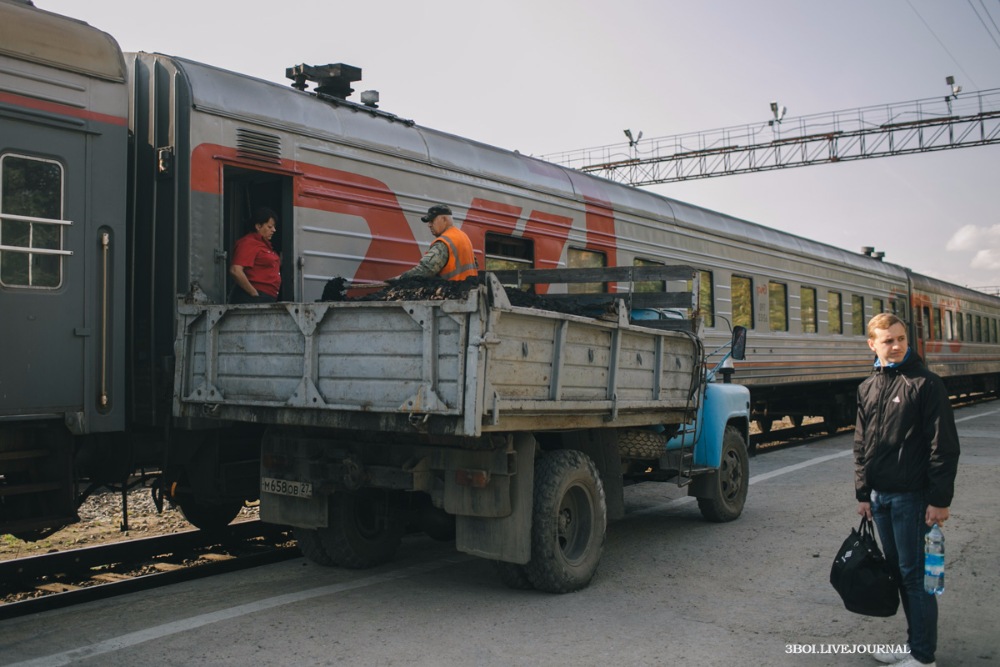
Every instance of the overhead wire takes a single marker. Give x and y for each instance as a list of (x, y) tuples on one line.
[(968, 77), (985, 27), (990, 17)]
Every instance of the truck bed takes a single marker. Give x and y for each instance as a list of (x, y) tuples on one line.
[(460, 367)]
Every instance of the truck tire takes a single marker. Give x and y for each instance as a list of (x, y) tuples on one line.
[(732, 479), (639, 444), (366, 528), (568, 524), (513, 575), (312, 547)]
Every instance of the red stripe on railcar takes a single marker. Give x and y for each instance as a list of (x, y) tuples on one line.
[(61, 109)]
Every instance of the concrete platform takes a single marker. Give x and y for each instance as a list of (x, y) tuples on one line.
[(672, 589)]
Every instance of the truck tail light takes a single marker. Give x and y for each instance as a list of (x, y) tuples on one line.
[(478, 479)]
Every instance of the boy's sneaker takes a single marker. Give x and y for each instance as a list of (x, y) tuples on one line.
[(890, 658), (913, 662)]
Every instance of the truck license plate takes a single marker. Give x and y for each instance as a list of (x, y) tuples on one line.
[(286, 487)]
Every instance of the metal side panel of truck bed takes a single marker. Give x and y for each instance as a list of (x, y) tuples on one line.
[(451, 367)]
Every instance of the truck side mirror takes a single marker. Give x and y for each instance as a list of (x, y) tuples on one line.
[(739, 348)]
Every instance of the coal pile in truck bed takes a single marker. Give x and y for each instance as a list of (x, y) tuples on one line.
[(567, 306), (407, 289), (436, 289), (423, 289)]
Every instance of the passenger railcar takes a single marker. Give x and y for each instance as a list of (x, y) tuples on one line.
[(955, 330), (63, 243), (162, 158)]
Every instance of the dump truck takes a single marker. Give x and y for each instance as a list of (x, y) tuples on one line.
[(508, 425)]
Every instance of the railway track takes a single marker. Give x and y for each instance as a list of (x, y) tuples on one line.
[(791, 436), (804, 433), (64, 578)]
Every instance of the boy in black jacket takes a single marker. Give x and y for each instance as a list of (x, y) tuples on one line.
[(906, 456)]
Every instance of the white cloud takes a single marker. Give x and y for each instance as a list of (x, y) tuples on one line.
[(971, 237), (986, 259)]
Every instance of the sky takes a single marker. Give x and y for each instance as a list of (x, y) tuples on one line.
[(545, 76)]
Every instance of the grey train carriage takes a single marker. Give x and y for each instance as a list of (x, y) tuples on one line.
[(125, 181), (63, 247)]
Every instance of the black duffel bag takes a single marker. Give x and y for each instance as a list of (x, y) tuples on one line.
[(867, 583)]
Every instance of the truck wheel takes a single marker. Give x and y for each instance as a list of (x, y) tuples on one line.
[(639, 444), (732, 479), (568, 522), (365, 529), (312, 547), (513, 575), (209, 516)]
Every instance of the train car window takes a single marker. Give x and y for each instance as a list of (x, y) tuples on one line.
[(857, 315), (949, 324), (959, 328), (970, 334), (508, 253), (31, 224), (649, 285), (585, 259), (741, 289), (898, 308), (937, 333), (706, 297), (994, 331), (979, 329), (924, 326), (878, 306), (807, 309), (777, 305), (834, 314)]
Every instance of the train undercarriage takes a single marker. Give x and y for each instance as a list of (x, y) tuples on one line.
[(46, 473)]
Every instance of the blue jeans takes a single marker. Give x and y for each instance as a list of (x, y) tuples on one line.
[(899, 518)]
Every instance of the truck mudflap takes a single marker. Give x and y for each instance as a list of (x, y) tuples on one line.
[(505, 538)]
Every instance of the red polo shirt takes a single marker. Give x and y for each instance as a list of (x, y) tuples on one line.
[(260, 263)]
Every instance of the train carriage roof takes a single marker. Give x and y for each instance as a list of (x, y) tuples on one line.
[(928, 285), (235, 95), (28, 33)]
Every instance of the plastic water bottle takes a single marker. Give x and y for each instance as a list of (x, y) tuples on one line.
[(934, 561)]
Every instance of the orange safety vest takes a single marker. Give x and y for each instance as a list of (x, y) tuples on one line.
[(461, 260)]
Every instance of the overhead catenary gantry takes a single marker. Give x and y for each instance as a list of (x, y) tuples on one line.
[(958, 120)]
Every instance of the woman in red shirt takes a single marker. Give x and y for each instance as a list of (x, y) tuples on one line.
[(256, 267)]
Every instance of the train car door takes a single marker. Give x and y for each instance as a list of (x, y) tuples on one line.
[(43, 264), (243, 191), (923, 329)]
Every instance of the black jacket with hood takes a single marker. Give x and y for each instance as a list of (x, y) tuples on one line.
[(905, 439)]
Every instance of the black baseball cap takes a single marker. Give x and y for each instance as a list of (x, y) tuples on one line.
[(435, 211)]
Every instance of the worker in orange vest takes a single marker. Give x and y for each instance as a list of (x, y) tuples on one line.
[(450, 255)]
